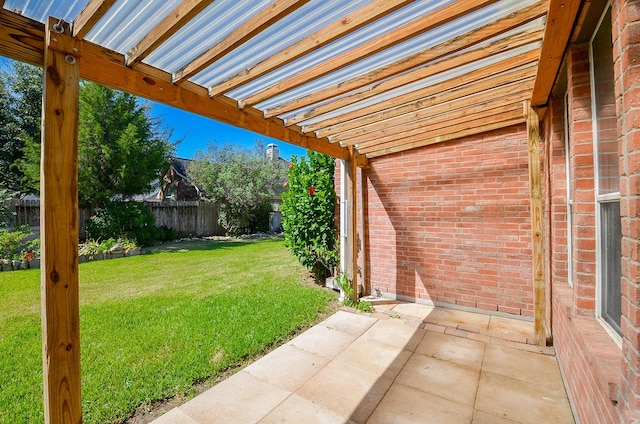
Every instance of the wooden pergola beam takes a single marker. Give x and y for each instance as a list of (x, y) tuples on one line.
[(396, 36), (350, 23), (372, 114), (429, 70), (473, 80), (457, 126), (448, 137), (254, 25), (59, 228), (452, 122), (561, 19), (89, 16), (537, 232), (171, 24), (442, 50), (25, 40), (460, 107)]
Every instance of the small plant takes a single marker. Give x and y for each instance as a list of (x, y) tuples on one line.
[(347, 289), (13, 244), (90, 248)]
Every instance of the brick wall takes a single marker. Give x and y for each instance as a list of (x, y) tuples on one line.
[(582, 186), (603, 379), (626, 51), (450, 223)]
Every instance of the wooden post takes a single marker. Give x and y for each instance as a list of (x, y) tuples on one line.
[(362, 200), (59, 227), (533, 131), (352, 266)]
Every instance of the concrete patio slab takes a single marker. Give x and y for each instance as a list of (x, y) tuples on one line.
[(454, 317), (415, 310), (454, 349), (441, 378), (511, 326), (405, 405), (396, 333), (276, 367), (523, 366), (355, 369), (347, 391), (241, 398), (522, 401)]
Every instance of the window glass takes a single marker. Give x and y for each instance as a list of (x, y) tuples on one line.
[(605, 108)]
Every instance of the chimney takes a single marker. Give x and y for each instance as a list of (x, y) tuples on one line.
[(273, 152)]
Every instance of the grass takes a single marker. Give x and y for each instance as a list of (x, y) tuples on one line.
[(154, 325)]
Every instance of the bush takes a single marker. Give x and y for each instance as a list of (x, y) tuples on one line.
[(14, 243), (131, 220), (308, 213)]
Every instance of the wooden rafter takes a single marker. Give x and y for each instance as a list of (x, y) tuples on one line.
[(453, 126), (415, 120), (429, 96), (560, 22), (448, 137), (171, 24), (418, 26), (89, 16), (108, 68), (481, 52), (254, 25), (444, 49), (350, 23), (421, 110), (431, 123), (475, 77), (460, 107)]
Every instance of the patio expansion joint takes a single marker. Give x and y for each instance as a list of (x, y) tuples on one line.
[(466, 331)]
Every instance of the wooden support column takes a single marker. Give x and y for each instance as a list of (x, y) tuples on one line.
[(352, 265), (59, 227), (362, 200), (537, 233)]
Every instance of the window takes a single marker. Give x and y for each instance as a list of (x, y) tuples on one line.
[(608, 234)]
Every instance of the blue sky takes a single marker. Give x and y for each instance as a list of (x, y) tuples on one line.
[(197, 131)]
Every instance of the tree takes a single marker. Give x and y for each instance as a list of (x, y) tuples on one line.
[(122, 149), (20, 109), (308, 213), (242, 182)]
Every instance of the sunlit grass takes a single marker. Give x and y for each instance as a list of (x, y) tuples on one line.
[(153, 325)]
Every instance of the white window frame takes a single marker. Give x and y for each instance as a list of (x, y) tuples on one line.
[(599, 199), (567, 149)]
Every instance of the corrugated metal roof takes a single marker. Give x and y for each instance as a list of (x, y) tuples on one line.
[(327, 67)]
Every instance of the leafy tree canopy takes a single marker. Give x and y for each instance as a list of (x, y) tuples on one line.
[(20, 106), (122, 149), (241, 181)]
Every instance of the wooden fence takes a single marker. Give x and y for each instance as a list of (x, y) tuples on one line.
[(198, 219)]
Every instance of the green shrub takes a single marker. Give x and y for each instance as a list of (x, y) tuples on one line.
[(131, 220), (14, 243), (308, 213)]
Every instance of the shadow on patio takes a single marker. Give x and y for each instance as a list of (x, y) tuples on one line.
[(406, 363)]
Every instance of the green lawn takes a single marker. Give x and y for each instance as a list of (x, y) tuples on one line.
[(153, 325)]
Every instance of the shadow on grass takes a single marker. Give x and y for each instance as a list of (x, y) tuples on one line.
[(192, 245)]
